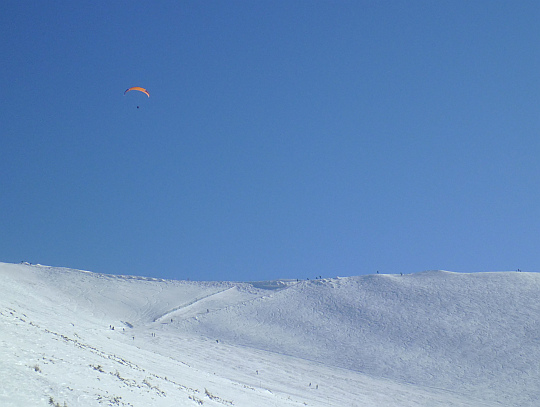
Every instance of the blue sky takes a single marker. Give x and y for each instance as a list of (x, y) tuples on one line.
[(282, 139)]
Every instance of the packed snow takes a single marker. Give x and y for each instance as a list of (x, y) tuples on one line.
[(77, 338)]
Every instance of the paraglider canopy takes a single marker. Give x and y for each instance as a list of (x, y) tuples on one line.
[(139, 89)]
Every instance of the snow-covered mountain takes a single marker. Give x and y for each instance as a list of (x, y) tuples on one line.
[(77, 338)]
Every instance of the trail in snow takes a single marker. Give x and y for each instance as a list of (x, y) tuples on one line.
[(195, 306)]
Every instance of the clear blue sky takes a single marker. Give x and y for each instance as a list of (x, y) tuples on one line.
[(282, 139)]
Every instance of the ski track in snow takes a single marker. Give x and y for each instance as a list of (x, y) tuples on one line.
[(428, 339)]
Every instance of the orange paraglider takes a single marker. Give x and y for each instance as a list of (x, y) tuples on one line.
[(139, 89)]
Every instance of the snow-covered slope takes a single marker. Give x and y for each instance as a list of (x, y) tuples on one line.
[(430, 339)]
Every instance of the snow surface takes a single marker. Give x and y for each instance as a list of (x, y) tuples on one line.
[(428, 339)]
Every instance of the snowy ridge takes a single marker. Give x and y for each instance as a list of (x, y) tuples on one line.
[(429, 339), (474, 332)]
